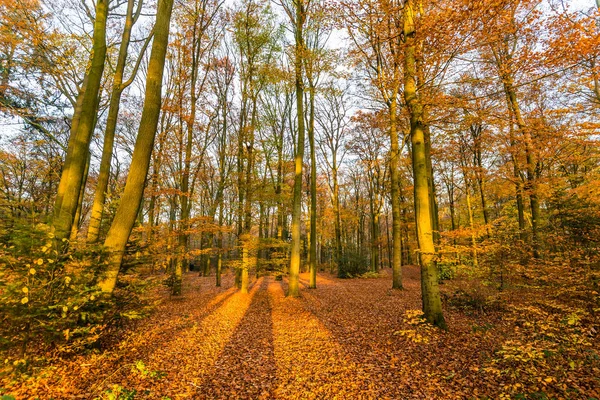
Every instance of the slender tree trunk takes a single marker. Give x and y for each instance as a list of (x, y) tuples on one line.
[(74, 168), (395, 183), (518, 184), (246, 237), (77, 220), (336, 212), (375, 240), (313, 191), (431, 183), (120, 229), (111, 124), (531, 181), (472, 226), (293, 288)]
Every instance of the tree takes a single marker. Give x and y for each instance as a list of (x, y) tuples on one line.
[(297, 16), (376, 30), (119, 85), (332, 119), (432, 305), (119, 231), (82, 127)]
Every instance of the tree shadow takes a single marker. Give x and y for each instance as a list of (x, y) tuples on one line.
[(350, 311), (246, 366), (147, 338)]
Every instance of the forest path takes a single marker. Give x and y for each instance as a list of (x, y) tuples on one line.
[(340, 341)]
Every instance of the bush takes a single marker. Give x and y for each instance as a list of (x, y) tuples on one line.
[(49, 300), (352, 264), (44, 295), (446, 269)]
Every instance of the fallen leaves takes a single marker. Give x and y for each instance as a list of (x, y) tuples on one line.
[(349, 339)]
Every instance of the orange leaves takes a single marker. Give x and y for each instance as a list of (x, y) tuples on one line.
[(347, 339)]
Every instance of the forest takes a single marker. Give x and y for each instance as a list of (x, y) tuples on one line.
[(299, 199)]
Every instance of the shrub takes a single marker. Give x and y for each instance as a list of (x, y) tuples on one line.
[(352, 264), (44, 295), (49, 300)]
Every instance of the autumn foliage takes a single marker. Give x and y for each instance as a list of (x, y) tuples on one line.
[(299, 199)]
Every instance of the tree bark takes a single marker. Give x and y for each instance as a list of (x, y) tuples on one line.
[(111, 125), (432, 305), (74, 168), (313, 190), (293, 288), (395, 183), (120, 229)]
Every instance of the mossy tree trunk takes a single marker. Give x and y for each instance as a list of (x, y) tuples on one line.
[(74, 168), (126, 214), (111, 120), (294, 272), (432, 304)]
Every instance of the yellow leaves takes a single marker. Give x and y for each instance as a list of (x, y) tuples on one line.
[(422, 331), (413, 336), (573, 319), (519, 352), (414, 317)]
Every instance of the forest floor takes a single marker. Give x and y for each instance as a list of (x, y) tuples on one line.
[(348, 339)]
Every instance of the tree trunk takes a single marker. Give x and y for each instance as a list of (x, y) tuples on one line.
[(77, 220), (395, 183), (74, 168), (120, 229), (472, 226), (313, 191), (336, 212), (293, 288), (111, 124), (432, 305)]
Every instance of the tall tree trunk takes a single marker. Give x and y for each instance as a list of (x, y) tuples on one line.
[(246, 237), (432, 305), (375, 239), (395, 183), (111, 125), (531, 181), (336, 212), (472, 226), (518, 183), (74, 168), (313, 190), (294, 274), (120, 229), (435, 220)]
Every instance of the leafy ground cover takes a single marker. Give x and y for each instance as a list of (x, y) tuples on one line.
[(349, 339)]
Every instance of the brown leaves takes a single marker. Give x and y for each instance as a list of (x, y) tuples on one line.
[(347, 339)]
